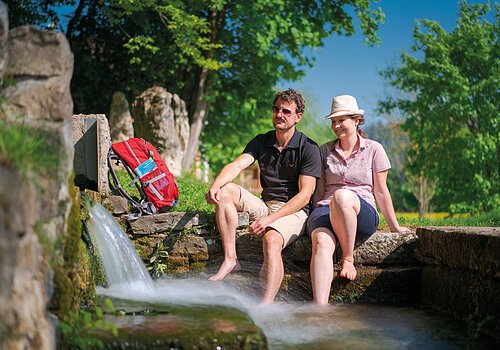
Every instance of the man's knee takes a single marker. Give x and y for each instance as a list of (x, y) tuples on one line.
[(273, 241), (230, 193)]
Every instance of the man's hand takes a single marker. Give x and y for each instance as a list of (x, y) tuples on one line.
[(213, 195), (258, 227)]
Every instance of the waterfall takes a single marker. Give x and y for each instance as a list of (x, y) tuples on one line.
[(122, 265)]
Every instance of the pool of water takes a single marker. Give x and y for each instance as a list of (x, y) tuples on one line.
[(195, 305)]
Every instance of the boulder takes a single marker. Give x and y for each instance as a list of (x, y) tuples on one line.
[(121, 123), (162, 119)]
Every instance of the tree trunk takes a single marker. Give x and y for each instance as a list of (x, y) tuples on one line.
[(199, 107), (199, 112), (424, 191)]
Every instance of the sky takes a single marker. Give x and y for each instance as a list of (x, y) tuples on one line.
[(345, 65)]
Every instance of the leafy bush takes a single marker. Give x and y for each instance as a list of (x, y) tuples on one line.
[(80, 329)]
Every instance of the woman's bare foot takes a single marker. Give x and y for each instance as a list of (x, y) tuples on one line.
[(225, 269), (348, 270)]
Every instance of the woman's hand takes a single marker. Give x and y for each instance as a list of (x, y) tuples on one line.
[(401, 229)]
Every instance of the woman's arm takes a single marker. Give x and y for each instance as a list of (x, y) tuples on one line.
[(384, 201)]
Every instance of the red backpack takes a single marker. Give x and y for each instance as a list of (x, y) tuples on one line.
[(156, 184)]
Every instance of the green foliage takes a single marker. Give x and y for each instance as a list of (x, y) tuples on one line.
[(158, 263), (27, 150), (81, 328), (229, 55), (395, 142), (450, 103)]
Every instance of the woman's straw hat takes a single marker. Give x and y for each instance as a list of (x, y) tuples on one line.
[(344, 105)]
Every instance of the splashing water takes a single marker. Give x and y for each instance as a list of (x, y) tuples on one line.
[(123, 267)]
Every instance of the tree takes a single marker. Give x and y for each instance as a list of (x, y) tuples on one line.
[(222, 57), (450, 100), (395, 140)]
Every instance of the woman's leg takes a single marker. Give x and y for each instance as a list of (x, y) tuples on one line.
[(344, 208), (323, 247)]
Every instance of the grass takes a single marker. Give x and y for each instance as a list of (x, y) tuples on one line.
[(191, 192), (192, 198), (26, 150), (412, 221)]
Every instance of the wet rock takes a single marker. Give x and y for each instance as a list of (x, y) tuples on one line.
[(186, 328), (466, 295), (116, 204)]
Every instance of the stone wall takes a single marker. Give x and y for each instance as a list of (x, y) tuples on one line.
[(33, 208), (461, 276)]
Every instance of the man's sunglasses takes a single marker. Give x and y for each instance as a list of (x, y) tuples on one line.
[(286, 112)]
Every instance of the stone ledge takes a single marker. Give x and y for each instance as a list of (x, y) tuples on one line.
[(469, 248), (382, 248), (175, 221)]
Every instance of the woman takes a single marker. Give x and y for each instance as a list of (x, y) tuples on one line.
[(354, 175)]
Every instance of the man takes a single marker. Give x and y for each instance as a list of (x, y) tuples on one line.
[(289, 165)]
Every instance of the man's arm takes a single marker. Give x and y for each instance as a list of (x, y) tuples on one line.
[(228, 174), (301, 199)]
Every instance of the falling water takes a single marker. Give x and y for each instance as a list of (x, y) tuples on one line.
[(123, 267)]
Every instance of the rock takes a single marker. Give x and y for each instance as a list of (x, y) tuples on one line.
[(40, 64), (121, 123), (462, 273), (174, 221), (116, 204), (162, 119), (25, 285), (4, 36)]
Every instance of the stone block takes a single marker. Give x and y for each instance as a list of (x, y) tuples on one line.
[(187, 245), (118, 205), (466, 295), (469, 248), (387, 248), (175, 221), (92, 140)]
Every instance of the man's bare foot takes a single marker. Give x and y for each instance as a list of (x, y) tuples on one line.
[(225, 269), (348, 270)]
